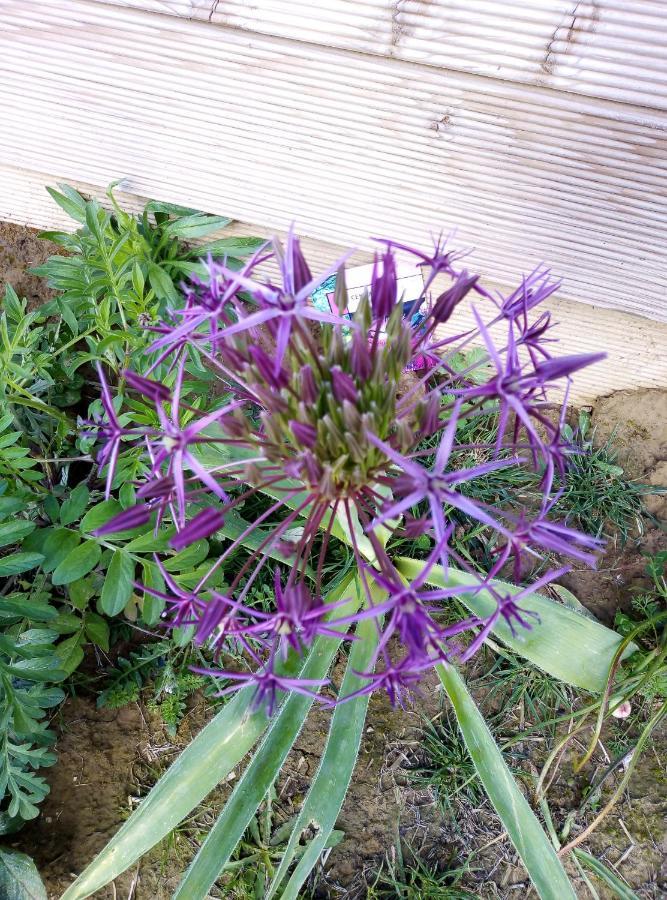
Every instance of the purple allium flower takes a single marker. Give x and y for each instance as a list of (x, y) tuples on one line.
[(384, 286), (204, 524), (317, 417), (129, 518)]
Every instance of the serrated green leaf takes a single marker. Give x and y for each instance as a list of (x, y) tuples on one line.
[(77, 563), (19, 562), (118, 584)]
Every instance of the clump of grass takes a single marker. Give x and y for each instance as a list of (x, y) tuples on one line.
[(446, 767), (417, 881), (598, 497)]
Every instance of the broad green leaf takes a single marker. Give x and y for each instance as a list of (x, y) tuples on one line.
[(519, 821), (329, 787), (558, 644), (19, 878), (162, 284), (97, 630), (13, 532), (188, 558), (231, 246), (77, 563), (118, 584), (152, 607), (99, 515), (196, 226), (73, 508), (258, 776), (70, 653), (75, 207), (19, 562), (40, 669), (10, 505), (205, 762), (57, 546)]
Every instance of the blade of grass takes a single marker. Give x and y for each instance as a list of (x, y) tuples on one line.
[(620, 888), (518, 819), (558, 644)]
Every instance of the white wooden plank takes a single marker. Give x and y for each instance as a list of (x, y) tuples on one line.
[(603, 48), (349, 146), (635, 345)]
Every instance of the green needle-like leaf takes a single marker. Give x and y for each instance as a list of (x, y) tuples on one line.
[(559, 644), (518, 819)]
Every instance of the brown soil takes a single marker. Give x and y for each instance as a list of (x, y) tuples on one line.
[(107, 760), (21, 249)]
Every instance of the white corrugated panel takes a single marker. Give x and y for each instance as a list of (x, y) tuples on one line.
[(603, 48), (348, 145), (635, 346)]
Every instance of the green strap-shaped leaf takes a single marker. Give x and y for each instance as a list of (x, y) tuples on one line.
[(258, 777), (205, 762), (518, 819), (329, 787), (560, 644)]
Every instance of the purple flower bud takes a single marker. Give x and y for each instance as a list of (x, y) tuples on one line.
[(155, 391), (126, 520), (305, 434), (384, 286), (309, 391), (448, 301), (277, 379), (204, 524), (159, 487), (343, 385), (300, 271), (360, 357)]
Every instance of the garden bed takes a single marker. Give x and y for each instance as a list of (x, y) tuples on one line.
[(109, 758)]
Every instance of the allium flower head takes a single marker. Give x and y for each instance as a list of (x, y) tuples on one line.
[(315, 415)]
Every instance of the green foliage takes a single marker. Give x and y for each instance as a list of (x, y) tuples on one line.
[(416, 880), (30, 666), (19, 878), (598, 497), (445, 765), (64, 585)]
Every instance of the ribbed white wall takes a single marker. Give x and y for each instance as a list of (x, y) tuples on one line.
[(602, 48), (539, 130)]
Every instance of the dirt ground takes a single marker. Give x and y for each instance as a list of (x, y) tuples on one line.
[(107, 760)]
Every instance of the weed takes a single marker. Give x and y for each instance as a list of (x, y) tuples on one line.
[(597, 496), (417, 881)]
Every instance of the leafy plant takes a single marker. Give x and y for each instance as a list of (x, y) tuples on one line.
[(312, 415), (63, 583)]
